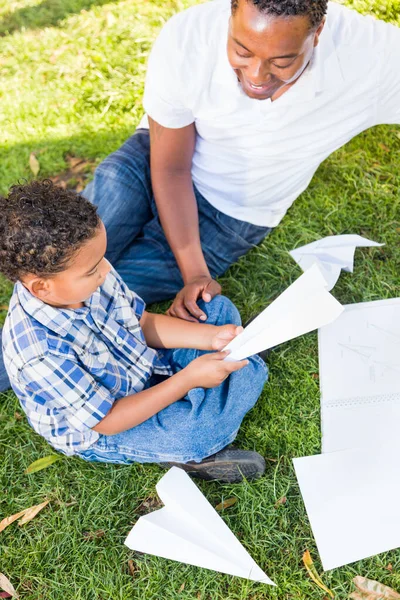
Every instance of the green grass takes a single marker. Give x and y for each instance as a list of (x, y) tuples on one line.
[(71, 74)]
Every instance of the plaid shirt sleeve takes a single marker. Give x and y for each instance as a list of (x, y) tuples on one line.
[(61, 385), (137, 304)]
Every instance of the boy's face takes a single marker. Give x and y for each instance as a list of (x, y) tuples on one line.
[(85, 272)]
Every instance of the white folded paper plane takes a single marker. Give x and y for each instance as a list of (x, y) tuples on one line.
[(187, 529), (304, 306), (331, 254)]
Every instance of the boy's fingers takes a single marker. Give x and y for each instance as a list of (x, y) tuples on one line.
[(236, 366)]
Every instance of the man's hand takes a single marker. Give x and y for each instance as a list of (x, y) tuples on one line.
[(210, 370), (185, 304), (225, 334)]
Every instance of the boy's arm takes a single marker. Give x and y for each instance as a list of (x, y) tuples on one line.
[(162, 331), (207, 371)]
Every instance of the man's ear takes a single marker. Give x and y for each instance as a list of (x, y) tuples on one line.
[(319, 31), (38, 287)]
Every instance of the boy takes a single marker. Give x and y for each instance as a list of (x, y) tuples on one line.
[(79, 350)]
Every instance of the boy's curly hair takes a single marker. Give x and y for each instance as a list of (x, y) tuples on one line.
[(314, 9), (41, 227)]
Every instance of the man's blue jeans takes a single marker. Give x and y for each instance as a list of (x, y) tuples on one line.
[(137, 247)]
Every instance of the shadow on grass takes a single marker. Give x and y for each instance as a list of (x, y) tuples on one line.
[(46, 14)]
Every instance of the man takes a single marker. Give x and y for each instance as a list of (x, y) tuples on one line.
[(245, 98)]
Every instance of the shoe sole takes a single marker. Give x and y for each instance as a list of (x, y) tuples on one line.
[(232, 467)]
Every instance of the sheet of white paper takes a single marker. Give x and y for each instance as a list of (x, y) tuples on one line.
[(359, 364), (302, 307), (188, 529), (351, 499), (331, 254)]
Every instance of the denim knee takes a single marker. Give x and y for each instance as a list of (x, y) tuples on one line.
[(220, 311)]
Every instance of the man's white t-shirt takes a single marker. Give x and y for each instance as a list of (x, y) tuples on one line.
[(254, 157)]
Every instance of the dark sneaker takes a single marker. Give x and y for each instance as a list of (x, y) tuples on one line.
[(229, 465)]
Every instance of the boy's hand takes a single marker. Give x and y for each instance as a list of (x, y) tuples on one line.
[(225, 334), (210, 370)]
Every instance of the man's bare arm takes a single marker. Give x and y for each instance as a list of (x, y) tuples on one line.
[(171, 154)]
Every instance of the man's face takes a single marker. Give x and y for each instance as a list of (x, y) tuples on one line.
[(268, 53)]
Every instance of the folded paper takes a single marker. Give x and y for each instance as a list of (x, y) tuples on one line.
[(331, 254), (359, 364), (304, 306), (188, 529), (351, 499)]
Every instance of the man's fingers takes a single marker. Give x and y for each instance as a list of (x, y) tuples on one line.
[(181, 313), (212, 289), (193, 309)]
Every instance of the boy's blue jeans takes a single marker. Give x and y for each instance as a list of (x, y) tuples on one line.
[(137, 246), (202, 423)]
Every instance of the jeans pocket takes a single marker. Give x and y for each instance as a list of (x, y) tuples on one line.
[(245, 234)]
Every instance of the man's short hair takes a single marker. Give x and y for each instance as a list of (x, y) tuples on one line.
[(41, 226), (314, 9)]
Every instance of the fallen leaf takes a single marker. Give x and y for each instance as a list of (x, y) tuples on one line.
[(91, 535), (383, 147), (8, 520), (226, 503), (42, 463), (181, 588), (18, 416), (6, 585), (131, 566), (148, 505), (312, 571), (4, 307), (198, 596), (389, 567), (281, 501), (368, 589), (315, 376), (31, 512), (34, 164)]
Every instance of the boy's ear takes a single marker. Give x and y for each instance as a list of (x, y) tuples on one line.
[(38, 287)]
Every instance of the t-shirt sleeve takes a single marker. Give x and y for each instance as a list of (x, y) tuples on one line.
[(165, 92), (389, 94), (60, 384)]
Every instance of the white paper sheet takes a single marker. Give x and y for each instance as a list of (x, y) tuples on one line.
[(359, 364), (352, 502), (189, 530), (331, 254), (302, 307)]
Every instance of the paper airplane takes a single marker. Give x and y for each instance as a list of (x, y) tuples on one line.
[(187, 529), (331, 254), (304, 306)]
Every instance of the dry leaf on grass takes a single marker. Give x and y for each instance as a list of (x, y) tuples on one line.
[(31, 512), (5, 584), (383, 147), (34, 164), (281, 501), (312, 571), (42, 463), (76, 175), (181, 588), (131, 566), (4, 307), (18, 416), (91, 535), (27, 515), (226, 503), (368, 589)]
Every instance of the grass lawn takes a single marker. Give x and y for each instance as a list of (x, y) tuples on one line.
[(71, 81)]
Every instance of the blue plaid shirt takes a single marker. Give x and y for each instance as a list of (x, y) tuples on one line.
[(67, 366)]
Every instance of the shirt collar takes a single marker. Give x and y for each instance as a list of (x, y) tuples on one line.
[(58, 320)]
